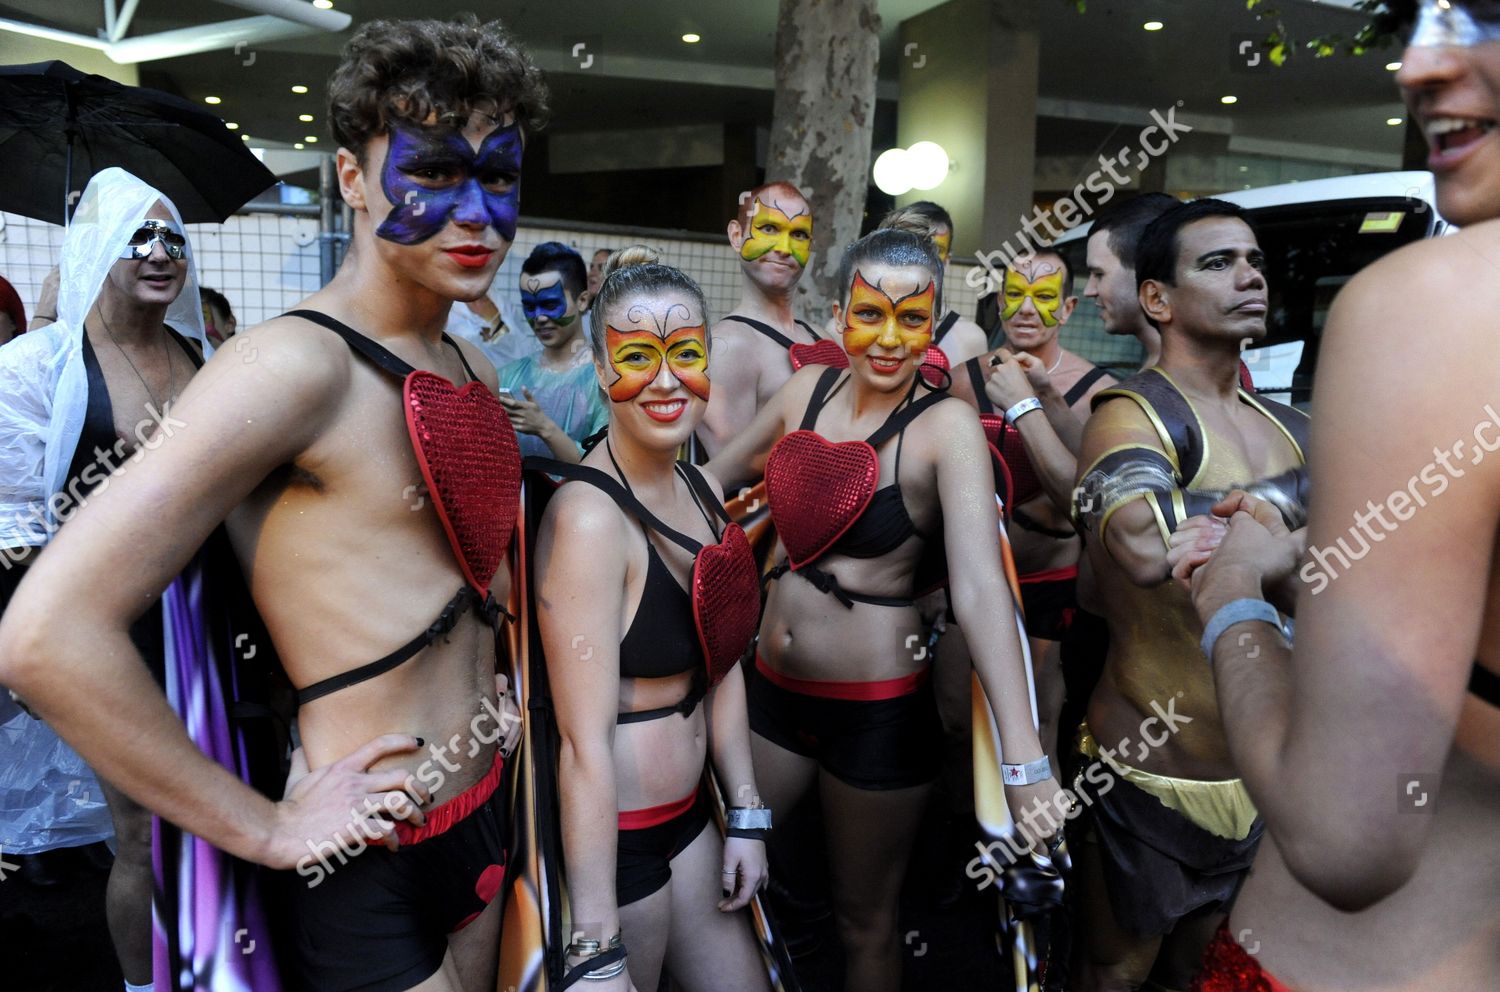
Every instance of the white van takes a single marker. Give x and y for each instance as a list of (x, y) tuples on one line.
[(1316, 236)]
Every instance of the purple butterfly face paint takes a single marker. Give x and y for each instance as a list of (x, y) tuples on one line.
[(432, 175)]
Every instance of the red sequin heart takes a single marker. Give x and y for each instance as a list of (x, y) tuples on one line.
[(1025, 485), (472, 465), (935, 367), (726, 601), (825, 352), (817, 490)]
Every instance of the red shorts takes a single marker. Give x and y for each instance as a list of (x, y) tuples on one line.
[(1227, 967)]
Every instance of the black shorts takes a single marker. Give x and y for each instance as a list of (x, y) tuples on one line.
[(1049, 599), (379, 921), (643, 860), (876, 744), (1158, 865)]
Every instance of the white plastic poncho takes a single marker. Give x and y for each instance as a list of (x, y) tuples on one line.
[(48, 795), (43, 386)]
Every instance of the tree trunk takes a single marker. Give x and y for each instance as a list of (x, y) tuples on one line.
[(827, 53)]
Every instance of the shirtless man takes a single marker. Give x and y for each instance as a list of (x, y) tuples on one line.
[(1371, 749), (1168, 842), (299, 443), (772, 234), (1036, 373)]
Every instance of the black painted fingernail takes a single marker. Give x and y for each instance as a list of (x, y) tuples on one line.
[(726, 893), (421, 742)]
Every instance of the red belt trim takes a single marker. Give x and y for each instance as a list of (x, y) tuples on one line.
[(1228, 968), (1051, 575), (867, 692), (451, 813), (655, 816)]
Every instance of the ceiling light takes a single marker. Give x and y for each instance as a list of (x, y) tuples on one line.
[(1393, 121), (323, 4), (212, 100), (298, 145), (311, 139), (691, 38), (927, 163), (299, 88), (231, 125), (1392, 66), (244, 137), (1153, 25), (890, 172), (305, 118), (1229, 99)]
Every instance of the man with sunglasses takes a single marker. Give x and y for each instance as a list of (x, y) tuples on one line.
[(83, 396), (1371, 747)]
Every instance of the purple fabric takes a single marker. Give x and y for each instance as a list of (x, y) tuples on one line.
[(209, 931)]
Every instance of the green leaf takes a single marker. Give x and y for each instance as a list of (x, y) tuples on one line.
[(1277, 55)]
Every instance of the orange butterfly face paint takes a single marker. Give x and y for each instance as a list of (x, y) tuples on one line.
[(637, 357), (874, 317)]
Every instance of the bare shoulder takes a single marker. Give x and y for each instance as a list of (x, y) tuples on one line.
[(478, 361), (952, 423), (285, 360), (1118, 420), (967, 340), (585, 514)]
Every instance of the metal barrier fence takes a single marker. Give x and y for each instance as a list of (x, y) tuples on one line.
[(265, 262)]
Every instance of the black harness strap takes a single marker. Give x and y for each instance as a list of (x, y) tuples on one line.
[(464, 600), (1485, 684), (1080, 387), (976, 382), (765, 329), (945, 326), (377, 354)]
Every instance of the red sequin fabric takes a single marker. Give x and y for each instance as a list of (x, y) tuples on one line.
[(1006, 441), (726, 601), (935, 367), (1228, 968), (817, 490), (824, 352), (472, 465)]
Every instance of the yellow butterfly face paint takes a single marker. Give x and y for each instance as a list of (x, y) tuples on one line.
[(1044, 292), (772, 230)]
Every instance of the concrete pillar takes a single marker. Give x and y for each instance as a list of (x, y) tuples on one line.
[(969, 72)]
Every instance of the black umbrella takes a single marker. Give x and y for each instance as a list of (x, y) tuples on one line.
[(59, 126)]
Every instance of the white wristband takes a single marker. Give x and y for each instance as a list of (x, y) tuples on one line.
[(1033, 771), (1020, 409)]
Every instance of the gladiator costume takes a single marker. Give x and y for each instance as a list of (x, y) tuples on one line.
[(1193, 840)]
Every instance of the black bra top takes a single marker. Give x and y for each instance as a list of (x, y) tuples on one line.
[(1485, 684), (663, 637), (464, 600), (946, 325), (771, 332), (885, 525)]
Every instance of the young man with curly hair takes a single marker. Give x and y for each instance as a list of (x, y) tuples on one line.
[(299, 443)]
